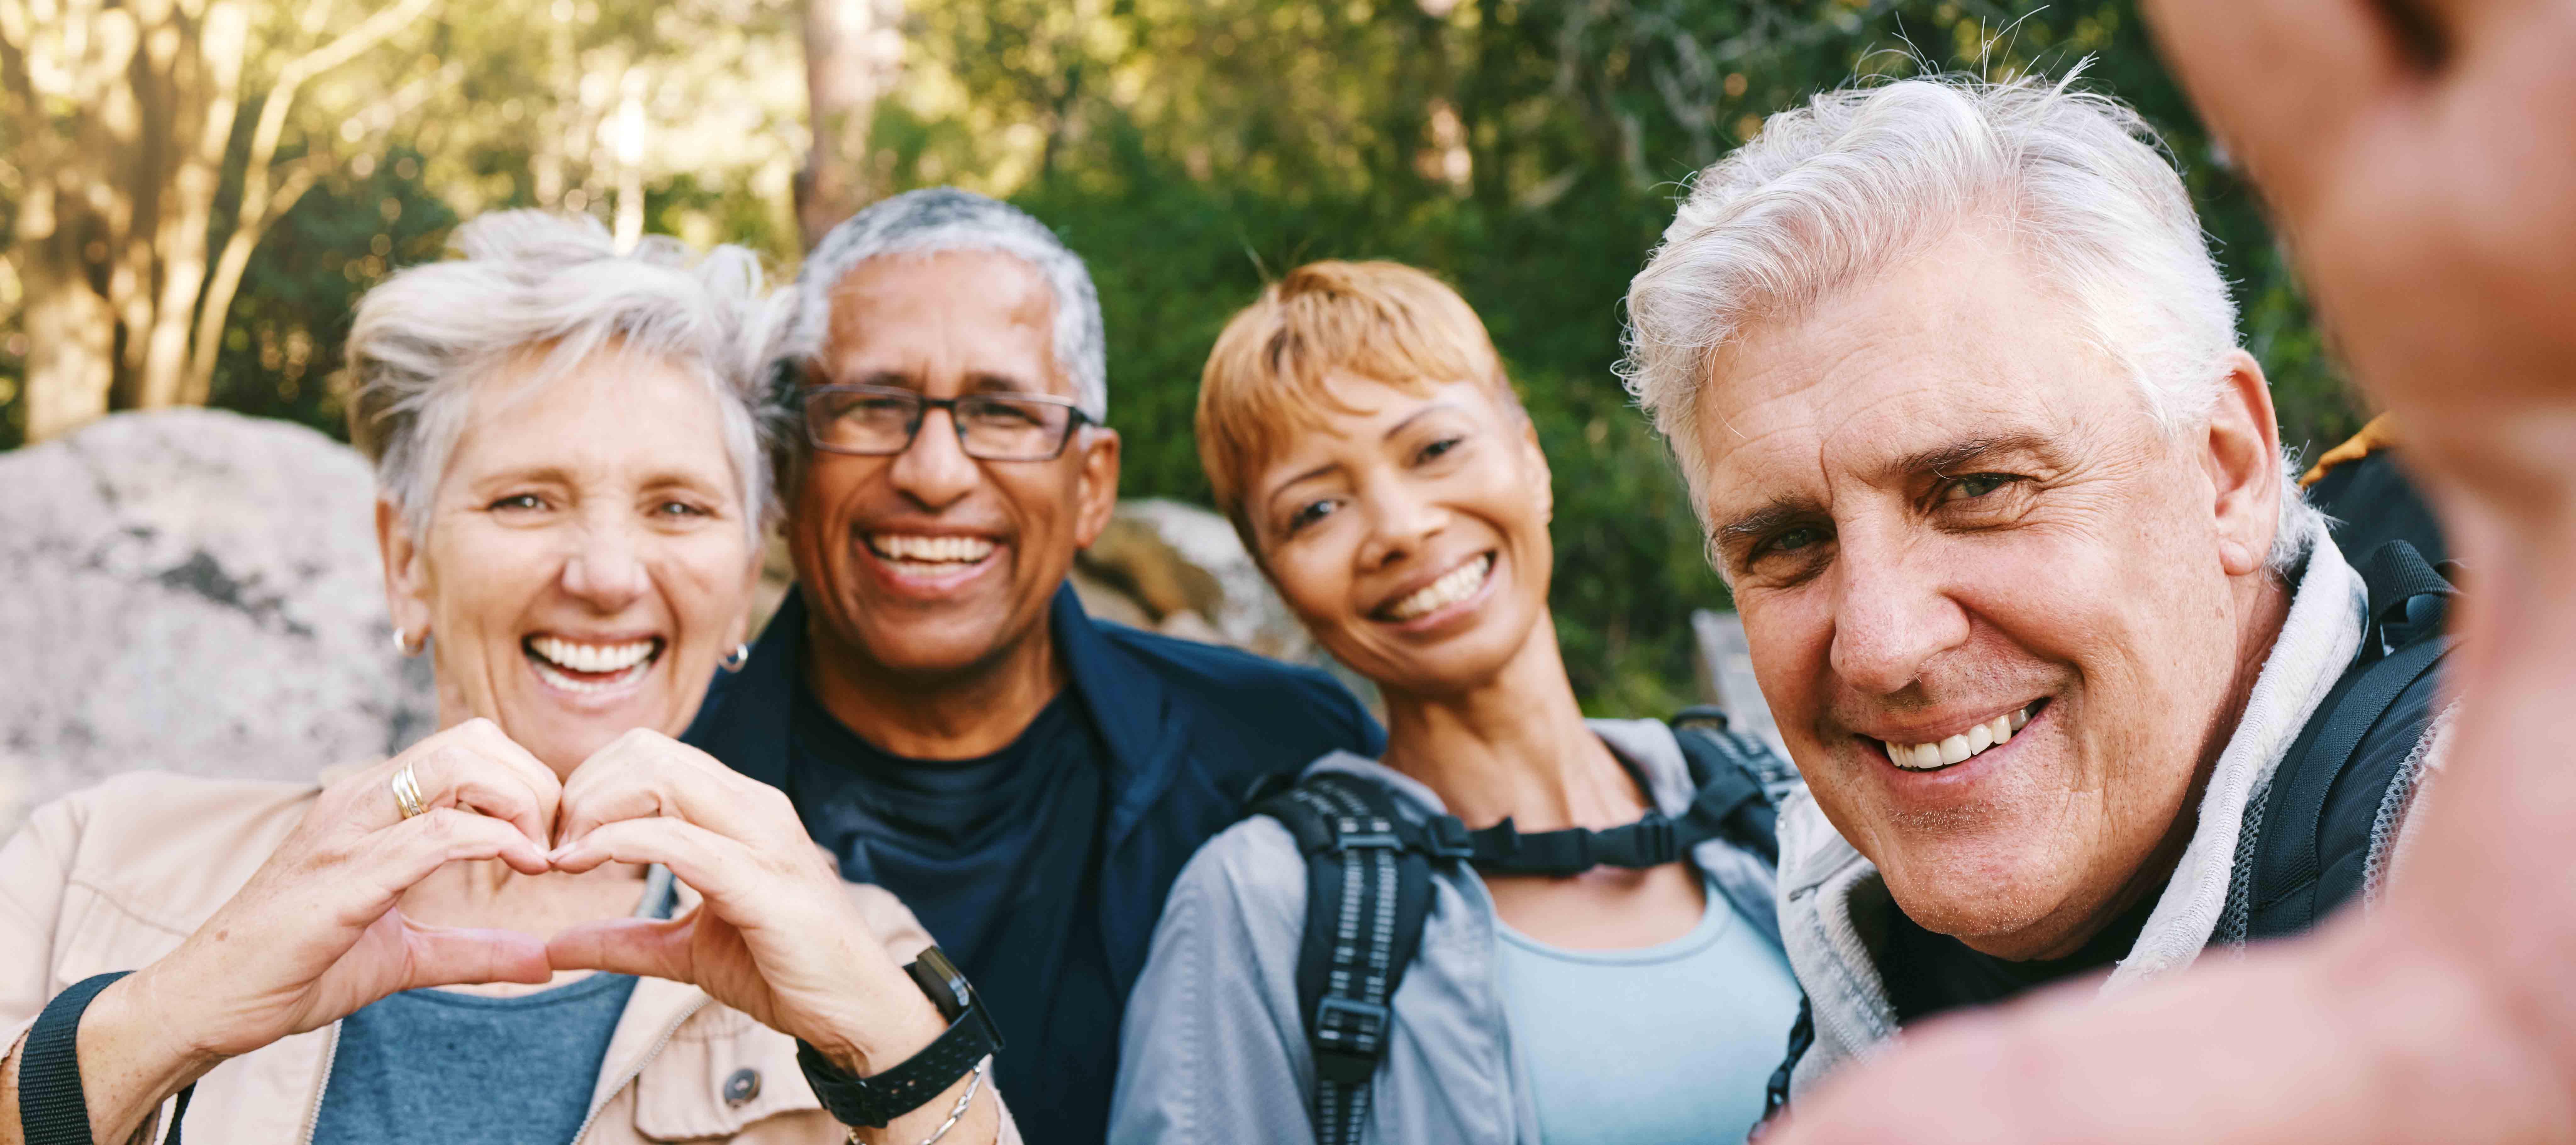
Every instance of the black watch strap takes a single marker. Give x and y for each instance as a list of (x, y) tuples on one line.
[(53, 1109), (875, 1101)]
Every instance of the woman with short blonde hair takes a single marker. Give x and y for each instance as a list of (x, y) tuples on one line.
[(1359, 429)]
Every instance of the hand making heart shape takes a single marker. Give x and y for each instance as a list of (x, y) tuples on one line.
[(317, 932)]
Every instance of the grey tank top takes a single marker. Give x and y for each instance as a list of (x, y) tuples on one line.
[(435, 1067)]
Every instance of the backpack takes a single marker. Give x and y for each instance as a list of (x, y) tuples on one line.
[(1369, 859), (2309, 834)]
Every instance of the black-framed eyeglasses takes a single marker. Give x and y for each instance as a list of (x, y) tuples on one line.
[(879, 421)]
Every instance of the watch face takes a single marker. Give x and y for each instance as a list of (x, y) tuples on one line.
[(943, 981)]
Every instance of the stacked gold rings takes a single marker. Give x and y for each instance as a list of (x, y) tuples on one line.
[(407, 792)]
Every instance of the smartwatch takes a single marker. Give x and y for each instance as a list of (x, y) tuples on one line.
[(874, 1101)]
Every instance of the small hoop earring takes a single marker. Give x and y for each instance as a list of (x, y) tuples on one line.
[(734, 660), (404, 643)]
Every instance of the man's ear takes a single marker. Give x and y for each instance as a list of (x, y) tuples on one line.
[(2241, 451), (407, 588), (1095, 485), (1536, 459)]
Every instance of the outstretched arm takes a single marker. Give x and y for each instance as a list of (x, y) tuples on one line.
[(2420, 156)]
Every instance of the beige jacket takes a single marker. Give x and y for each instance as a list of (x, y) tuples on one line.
[(116, 876)]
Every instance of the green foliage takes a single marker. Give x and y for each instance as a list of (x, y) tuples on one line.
[(282, 341), (1259, 136), (1529, 151)]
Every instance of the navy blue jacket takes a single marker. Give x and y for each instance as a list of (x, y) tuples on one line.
[(1189, 728)]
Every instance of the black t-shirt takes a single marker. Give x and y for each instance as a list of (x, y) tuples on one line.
[(996, 856), (1928, 973)]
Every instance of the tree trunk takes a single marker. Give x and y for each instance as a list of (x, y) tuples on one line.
[(853, 50), (71, 334), (205, 84)]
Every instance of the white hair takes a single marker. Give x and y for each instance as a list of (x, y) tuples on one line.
[(947, 219), (535, 282), (1859, 179)]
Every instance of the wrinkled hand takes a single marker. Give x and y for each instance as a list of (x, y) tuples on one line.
[(776, 936), (315, 934)]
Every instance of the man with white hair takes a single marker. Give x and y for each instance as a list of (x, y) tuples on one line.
[(2072, 679), (932, 697)]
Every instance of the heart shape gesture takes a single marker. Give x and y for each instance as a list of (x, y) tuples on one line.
[(317, 932), (777, 936)]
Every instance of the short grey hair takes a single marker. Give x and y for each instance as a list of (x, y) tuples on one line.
[(1858, 179), (947, 219), (531, 282)]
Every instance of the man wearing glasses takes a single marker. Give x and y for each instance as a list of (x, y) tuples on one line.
[(932, 697)]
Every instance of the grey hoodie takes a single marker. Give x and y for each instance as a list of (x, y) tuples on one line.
[(1830, 895), (1215, 1048)]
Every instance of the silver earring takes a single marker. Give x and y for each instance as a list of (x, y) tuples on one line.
[(735, 659), (404, 643)]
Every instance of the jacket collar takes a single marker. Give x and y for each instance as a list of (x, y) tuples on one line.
[(746, 723)]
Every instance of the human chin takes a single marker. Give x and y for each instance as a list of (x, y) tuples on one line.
[(929, 639), (1453, 623), (1986, 867)]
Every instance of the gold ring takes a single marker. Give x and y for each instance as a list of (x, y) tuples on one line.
[(407, 792)]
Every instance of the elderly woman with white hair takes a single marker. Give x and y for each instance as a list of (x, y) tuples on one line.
[(548, 921)]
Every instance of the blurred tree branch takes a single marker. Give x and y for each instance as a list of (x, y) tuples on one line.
[(129, 112), (262, 205)]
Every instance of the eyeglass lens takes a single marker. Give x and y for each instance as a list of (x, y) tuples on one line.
[(997, 427)]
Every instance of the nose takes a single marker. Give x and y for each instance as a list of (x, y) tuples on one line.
[(606, 569), (933, 471), (1891, 615), (1400, 525)]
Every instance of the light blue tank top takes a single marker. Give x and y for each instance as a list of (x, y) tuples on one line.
[(1652, 1045)]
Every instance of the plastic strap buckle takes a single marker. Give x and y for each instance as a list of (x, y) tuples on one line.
[(1450, 839), (1656, 839), (1350, 1037)]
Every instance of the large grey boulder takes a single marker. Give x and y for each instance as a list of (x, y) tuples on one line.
[(191, 590)]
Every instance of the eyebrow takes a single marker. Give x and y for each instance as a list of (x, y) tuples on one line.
[(1413, 417), (1768, 518), (1939, 461), (1945, 460)]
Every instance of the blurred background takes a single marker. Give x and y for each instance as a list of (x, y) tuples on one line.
[(194, 191)]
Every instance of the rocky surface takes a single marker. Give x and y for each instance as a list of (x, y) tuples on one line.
[(191, 590), (195, 591)]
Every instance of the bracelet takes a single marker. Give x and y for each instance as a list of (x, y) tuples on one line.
[(956, 1113), (52, 1106)]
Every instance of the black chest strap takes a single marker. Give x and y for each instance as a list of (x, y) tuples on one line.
[(1730, 804), (1369, 890)]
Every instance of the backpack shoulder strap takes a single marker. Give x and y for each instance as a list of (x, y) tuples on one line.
[(2316, 823), (1739, 779), (1368, 894)]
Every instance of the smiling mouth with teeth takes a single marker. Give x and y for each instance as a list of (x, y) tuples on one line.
[(1456, 585), (1965, 746), (577, 667), (916, 555)]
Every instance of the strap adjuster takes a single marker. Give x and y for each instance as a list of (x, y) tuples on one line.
[(1448, 838), (1380, 836), (1350, 1037), (1658, 840)]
